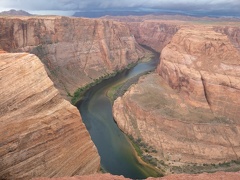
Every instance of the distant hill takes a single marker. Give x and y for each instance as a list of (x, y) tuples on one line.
[(14, 12)]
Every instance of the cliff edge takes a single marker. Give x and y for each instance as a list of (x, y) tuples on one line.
[(41, 134), (76, 51)]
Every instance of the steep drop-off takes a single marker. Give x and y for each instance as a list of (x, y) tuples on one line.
[(189, 113), (41, 134), (153, 34), (75, 50)]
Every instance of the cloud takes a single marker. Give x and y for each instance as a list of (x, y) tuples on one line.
[(180, 5)]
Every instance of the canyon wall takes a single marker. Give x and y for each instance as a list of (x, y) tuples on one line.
[(41, 134), (153, 34), (188, 109), (76, 51)]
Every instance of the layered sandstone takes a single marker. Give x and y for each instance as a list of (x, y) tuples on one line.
[(204, 176), (153, 34), (41, 134), (75, 50), (189, 113), (204, 66)]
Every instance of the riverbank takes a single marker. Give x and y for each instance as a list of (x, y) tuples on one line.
[(117, 154), (79, 93), (154, 170), (120, 88)]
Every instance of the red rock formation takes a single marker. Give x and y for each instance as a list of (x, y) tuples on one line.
[(153, 34), (205, 66), (190, 113), (204, 176), (41, 134), (233, 34), (76, 51), (89, 177)]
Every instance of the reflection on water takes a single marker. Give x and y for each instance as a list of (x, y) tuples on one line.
[(117, 155)]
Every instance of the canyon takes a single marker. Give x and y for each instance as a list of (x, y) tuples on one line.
[(187, 110), (76, 51)]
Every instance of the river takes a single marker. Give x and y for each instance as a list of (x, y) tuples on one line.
[(118, 157)]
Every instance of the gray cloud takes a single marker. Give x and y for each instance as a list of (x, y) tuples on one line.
[(181, 5)]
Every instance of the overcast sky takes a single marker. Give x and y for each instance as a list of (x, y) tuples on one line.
[(222, 6)]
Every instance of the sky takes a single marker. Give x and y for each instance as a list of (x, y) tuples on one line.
[(67, 7)]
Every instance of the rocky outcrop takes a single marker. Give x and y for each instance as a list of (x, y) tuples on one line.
[(41, 134), (153, 34), (89, 177), (75, 50), (204, 176), (233, 34), (189, 113), (205, 67)]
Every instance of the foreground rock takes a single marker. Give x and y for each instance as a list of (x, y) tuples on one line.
[(204, 176), (76, 51), (41, 134), (189, 114)]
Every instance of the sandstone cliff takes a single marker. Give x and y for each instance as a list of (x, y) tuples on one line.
[(76, 51), (41, 134), (189, 113), (153, 34)]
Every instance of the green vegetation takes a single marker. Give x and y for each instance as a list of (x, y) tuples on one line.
[(79, 93), (111, 92), (144, 151), (231, 166), (102, 170)]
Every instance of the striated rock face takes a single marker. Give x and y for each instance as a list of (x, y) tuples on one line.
[(76, 51), (205, 67), (233, 34), (153, 34), (41, 134), (204, 176), (89, 177), (189, 113)]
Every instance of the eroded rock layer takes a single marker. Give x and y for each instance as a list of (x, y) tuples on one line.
[(190, 112), (75, 50), (153, 34), (41, 134), (204, 176)]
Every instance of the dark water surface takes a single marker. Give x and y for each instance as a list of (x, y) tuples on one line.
[(117, 155)]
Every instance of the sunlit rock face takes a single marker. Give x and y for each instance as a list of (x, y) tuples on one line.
[(188, 108), (75, 50), (41, 134)]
